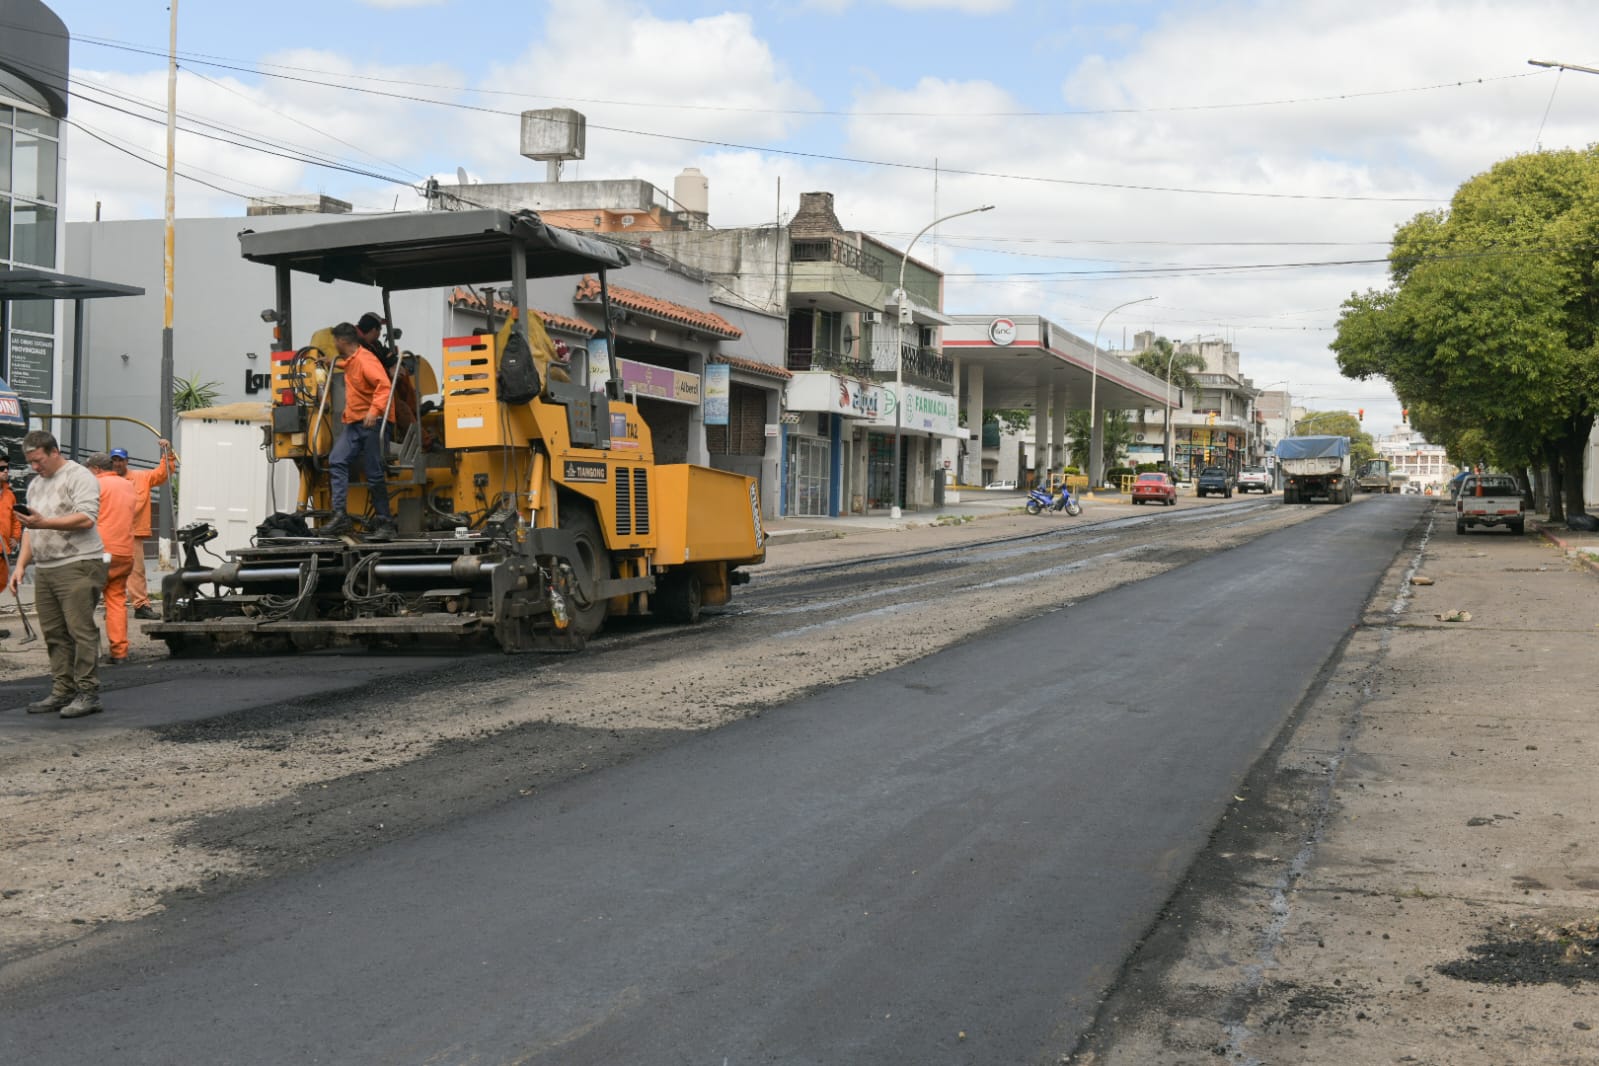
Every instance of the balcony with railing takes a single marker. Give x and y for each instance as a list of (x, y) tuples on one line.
[(827, 359), (918, 365), (833, 250)]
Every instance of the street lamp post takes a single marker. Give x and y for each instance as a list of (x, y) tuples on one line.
[(1171, 468), (1096, 461), (902, 303)]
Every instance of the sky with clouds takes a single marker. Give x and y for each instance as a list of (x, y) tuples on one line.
[(1244, 162)]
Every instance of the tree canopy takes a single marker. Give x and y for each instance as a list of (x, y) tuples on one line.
[(1338, 424), (1489, 328)]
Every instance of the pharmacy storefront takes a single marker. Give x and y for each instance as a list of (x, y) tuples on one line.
[(927, 418)]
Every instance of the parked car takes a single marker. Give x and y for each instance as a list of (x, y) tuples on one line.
[(1214, 479), (1158, 488), (1000, 486), (1490, 500), (1254, 479)]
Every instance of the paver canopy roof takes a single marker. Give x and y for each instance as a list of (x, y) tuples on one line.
[(430, 249)]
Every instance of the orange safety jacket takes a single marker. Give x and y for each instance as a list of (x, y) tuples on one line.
[(366, 386)]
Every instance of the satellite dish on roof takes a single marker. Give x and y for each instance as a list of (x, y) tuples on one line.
[(460, 176)]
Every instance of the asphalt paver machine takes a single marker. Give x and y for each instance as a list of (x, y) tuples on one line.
[(527, 514)]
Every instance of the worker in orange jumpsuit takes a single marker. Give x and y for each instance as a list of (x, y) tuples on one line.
[(143, 481), (115, 523), (10, 526)]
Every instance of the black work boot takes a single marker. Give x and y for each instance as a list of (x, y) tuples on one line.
[(338, 527)]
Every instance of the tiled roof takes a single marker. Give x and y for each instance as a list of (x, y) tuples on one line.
[(588, 291), (563, 323), (753, 366)]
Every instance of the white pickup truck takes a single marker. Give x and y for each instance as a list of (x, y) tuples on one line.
[(1489, 500)]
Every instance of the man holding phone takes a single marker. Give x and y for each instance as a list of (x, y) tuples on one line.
[(60, 540)]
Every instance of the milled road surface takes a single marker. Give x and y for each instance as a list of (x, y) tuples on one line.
[(950, 859)]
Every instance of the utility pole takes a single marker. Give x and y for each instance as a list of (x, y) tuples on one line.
[(903, 305), (165, 532)]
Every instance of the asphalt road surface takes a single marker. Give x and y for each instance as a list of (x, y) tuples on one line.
[(947, 862)]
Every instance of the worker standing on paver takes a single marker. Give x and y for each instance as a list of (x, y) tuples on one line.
[(143, 481), (115, 523)]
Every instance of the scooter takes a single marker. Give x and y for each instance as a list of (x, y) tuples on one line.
[(1039, 501)]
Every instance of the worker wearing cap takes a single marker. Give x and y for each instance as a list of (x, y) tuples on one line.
[(143, 481)]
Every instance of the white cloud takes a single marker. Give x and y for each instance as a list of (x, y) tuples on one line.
[(969, 7)]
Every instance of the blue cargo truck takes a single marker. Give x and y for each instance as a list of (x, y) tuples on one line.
[(1315, 468)]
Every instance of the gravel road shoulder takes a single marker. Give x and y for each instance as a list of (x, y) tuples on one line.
[(1413, 875)]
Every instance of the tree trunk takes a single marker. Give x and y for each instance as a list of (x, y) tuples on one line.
[(1551, 455), (1573, 451), (1535, 488)]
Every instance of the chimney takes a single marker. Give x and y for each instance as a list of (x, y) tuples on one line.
[(815, 216)]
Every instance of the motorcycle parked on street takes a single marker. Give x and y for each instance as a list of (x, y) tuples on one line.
[(1040, 500)]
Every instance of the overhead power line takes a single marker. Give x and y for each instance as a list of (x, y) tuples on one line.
[(833, 157)]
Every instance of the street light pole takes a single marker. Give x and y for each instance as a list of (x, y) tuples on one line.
[(1096, 461), (902, 303), (1171, 467)]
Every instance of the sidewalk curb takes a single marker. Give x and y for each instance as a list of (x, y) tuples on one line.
[(1588, 557)]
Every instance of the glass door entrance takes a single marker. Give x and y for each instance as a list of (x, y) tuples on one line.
[(808, 478)]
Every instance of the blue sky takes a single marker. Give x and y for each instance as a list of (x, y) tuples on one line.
[(1224, 144)]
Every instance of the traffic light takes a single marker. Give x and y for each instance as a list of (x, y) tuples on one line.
[(1362, 413), (1404, 414)]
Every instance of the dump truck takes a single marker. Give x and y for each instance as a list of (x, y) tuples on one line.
[(1376, 475), (1315, 467), (529, 507)]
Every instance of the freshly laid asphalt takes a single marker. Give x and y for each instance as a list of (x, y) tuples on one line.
[(946, 862)]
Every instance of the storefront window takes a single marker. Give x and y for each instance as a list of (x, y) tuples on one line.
[(5, 227), (34, 243), (34, 173)]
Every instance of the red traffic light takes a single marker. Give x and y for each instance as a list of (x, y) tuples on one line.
[(1404, 414), (1362, 414)]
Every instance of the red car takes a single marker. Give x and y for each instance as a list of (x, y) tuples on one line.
[(1158, 487)]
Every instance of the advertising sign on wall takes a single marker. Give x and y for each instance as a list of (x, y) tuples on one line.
[(659, 382), (928, 412), (718, 385)]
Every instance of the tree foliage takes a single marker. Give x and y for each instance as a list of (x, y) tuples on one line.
[(1489, 328), (1118, 436), (1338, 424)]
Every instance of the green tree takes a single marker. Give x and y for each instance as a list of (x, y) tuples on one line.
[(1338, 424), (1158, 357), (1118, 435), (1013, 419), (1489, 327)]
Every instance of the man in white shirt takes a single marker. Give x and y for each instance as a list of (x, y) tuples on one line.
[(61, 542)]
